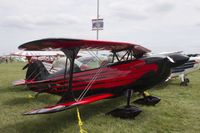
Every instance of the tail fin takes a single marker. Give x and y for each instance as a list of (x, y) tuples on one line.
[(36, 71)]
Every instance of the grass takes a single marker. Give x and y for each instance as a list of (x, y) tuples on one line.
[(178, 111)]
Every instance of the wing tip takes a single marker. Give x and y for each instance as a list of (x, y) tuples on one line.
[(19, 82), (47, 110)]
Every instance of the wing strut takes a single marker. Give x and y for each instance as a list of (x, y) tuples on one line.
[(71, 55)]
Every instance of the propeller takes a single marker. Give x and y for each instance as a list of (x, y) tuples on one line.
[(170, 59)]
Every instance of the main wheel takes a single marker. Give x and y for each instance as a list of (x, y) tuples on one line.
[(187, 80), (183, 83)]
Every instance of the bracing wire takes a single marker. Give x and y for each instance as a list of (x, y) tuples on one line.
[(89, 85), (81, 96), (94, 55)]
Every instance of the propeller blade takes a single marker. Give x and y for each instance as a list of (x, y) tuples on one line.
[(170, 59)]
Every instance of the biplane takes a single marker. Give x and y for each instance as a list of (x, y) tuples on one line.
[(127, 70)]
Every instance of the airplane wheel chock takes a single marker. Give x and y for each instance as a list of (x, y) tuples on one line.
[(127, 112), (147, 100)]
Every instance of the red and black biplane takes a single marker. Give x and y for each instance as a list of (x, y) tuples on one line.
[(128, 71)]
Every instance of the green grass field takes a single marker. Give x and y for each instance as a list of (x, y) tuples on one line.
[(178, 111)]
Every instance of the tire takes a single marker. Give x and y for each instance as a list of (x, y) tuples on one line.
[(187, 80), (183, 84)]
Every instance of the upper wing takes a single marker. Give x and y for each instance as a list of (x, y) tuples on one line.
[(68, 105), (60, 43)]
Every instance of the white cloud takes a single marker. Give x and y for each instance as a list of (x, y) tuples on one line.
[(27, 21), (162, 7), (139, 10), (197, 24), (156, 24)]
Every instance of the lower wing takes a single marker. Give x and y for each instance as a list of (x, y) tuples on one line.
[(68, 105), (19, 82)]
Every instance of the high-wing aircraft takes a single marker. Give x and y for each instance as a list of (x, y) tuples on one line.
[(192, 65), (127, 70)]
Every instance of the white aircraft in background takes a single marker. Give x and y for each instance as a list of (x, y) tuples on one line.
[(192, 65)]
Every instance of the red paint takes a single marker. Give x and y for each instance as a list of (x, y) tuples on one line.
[(110, 77), (57, 43)]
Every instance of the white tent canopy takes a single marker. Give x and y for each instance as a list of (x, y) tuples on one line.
[(37, 53)]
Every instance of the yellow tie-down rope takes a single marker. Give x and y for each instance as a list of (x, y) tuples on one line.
[(146, 94), (80, 123), (30, 96)]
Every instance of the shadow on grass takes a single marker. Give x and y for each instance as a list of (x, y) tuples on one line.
[(60, 121), (25, 100), (166, 85), (45, 124), (13, 89)]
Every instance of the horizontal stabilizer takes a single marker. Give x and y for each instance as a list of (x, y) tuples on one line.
[(29, 82), (68, 105)]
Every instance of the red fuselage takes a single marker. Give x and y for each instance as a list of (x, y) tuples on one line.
[(113, 78)]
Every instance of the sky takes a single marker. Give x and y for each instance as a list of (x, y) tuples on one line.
[(160, 25)]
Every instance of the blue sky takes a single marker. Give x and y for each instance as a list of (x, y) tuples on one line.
[(160, 25)]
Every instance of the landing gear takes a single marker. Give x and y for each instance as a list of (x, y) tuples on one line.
[(126, 112), (183, 84), (147, 99), (184, 80), (187, 80)]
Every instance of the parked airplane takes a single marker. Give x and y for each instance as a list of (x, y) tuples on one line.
[(128, 71), (192, 65)]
